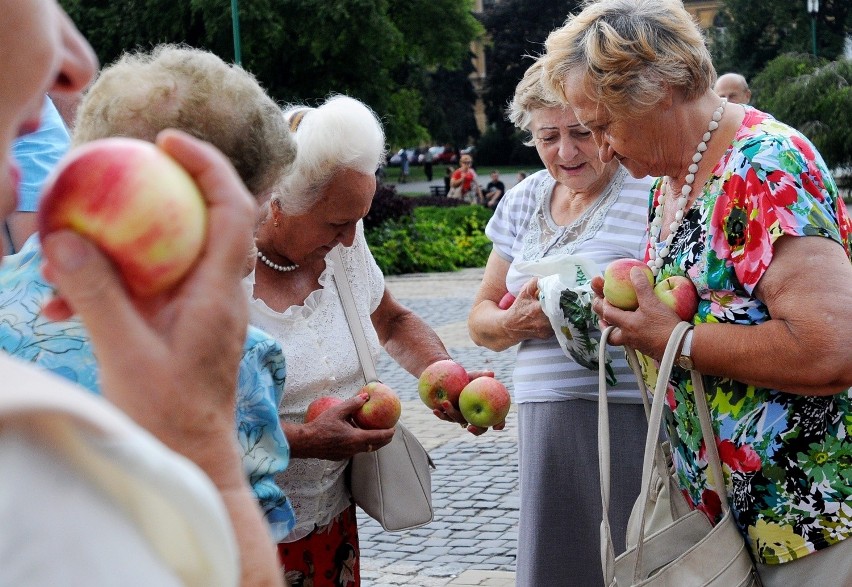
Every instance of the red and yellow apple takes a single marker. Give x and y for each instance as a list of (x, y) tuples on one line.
[(618, 288), (136, 203), (381, 410), (319, 405), (484, 402), (442, 381), (506, 301), (678, 293)]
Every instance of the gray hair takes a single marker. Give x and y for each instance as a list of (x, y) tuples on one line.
[(180, 87), (530, 94), (342, 133), (629, 52)]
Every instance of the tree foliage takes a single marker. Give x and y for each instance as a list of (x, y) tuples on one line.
[(516, 31), (383, 52), (813, 96), (751, 34)]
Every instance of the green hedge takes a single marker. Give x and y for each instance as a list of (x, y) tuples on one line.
[(432, 239)]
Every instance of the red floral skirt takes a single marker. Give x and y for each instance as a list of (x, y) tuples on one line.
[(327, 557)]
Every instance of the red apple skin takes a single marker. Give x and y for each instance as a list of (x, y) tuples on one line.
[(135, 203), (506, 301), (381, 410), (442, 381), (618, 289), (679, 293), (485, 402), (319, 405)]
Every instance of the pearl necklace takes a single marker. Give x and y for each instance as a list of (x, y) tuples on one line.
[(276, 266), (655, 261)]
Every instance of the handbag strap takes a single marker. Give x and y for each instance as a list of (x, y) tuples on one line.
[(344, 290), (653, 450)]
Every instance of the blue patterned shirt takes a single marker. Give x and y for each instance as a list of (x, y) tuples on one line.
[(64, 348)]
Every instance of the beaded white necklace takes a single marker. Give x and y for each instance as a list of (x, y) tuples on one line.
[(655, 260), (276, 266)]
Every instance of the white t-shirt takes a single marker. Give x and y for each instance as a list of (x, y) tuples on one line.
[(321, 360), (522, 229), (89, 498)]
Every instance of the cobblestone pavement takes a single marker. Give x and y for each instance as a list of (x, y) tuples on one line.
[(473, 538)]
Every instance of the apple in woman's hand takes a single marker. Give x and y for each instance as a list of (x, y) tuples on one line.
[(506, 301), (442, 381), (381, 410), (136, 203), (618, 288), (678, 293), (319, 405), (484, 402)]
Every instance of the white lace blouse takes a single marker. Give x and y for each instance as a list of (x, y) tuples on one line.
[(321, 360)]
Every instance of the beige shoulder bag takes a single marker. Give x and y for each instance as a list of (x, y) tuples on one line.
[(393, 485)]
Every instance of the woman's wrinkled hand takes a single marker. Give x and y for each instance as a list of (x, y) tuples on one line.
[(333, 436), (525, 318)]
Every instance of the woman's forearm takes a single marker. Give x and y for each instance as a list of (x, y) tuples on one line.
[(776, 355), (487, 329)]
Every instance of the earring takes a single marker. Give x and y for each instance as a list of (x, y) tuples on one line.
[(276, 224)]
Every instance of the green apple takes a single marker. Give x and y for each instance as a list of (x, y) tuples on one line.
[(484, 402)]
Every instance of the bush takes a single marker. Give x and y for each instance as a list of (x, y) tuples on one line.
[(434, 238), (387, 205)]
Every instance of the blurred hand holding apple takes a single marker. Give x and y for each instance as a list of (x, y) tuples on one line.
[(136, 203)]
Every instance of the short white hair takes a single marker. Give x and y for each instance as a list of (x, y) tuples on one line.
[(342, 133)]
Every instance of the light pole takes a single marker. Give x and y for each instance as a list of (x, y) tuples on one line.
[(813, 10), (235, 20)]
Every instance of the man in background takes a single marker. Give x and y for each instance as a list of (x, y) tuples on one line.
[(734, 87)]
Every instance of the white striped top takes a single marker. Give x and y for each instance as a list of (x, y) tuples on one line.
[(612, 228)]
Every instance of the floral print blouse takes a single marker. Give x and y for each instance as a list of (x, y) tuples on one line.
[(64, 348), (787, 458)]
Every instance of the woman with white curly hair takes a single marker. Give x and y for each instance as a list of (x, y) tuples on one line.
[(319, 206)]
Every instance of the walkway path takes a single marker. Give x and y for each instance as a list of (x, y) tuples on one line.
[(472, 540)]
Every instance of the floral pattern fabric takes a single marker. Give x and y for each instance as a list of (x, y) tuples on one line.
[(787, 458), (64, 348)]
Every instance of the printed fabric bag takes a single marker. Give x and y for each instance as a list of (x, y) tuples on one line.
[(565, 294)]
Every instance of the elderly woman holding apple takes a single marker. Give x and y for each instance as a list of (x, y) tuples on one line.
[(160, 83), (581, 206), (316, 208), (65, 452), (752, 217)]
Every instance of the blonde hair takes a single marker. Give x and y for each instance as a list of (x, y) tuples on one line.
[(530, 94), (192, 90), (630, 52), (342, 133)]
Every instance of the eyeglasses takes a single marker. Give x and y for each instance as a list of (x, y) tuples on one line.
[(468, 161)]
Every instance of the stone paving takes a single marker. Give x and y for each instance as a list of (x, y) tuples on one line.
[(473, 538)]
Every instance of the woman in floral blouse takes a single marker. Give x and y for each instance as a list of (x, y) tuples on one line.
[(752, 216)]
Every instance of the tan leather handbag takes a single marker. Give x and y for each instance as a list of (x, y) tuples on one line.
[(671, 548)]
